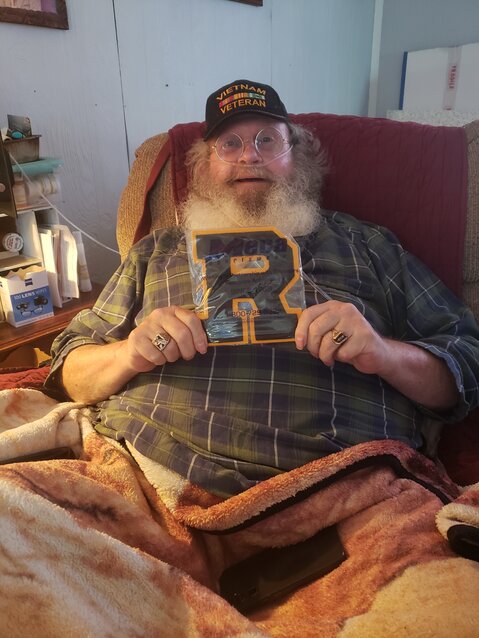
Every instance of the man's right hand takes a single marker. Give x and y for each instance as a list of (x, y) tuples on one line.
[(92, 373), (187, 338)]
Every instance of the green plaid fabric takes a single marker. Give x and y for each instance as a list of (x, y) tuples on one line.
[(240, 414)]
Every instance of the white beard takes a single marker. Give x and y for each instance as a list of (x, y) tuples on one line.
[(283, 207)]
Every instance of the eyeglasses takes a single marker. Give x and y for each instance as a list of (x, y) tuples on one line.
[(269, 144)]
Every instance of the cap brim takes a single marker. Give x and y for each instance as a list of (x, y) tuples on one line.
[(246, 111)]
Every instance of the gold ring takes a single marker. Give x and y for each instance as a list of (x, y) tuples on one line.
[(339, 337), (161, 340)]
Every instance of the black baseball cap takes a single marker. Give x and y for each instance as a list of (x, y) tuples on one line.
[(242, 96)]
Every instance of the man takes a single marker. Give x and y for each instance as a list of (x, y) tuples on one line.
[(381, 345)]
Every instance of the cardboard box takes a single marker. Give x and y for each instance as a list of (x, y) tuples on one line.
[(441, 78), (25, 296)]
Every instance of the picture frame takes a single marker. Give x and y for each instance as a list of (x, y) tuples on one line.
[(50, 13), (256, 3)]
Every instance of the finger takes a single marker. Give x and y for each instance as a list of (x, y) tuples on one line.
[(184, 330), (170, 351), (331, 344), (195, 326), (142, 349), (307, 317), (318, 332)]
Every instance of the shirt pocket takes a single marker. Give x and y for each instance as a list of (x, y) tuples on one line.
[(350, 286), (347, 289), (366, 295)]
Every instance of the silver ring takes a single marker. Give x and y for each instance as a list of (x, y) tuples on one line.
[(161, 340), (338, 337)]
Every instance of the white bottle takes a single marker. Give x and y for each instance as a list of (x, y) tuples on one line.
[(11, 241)]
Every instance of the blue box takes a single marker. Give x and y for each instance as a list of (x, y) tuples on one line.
[(25, 297)]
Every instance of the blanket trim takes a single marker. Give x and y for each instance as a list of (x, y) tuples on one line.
[(381, 459)]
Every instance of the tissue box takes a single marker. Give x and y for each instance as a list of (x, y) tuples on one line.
[(25, 296)]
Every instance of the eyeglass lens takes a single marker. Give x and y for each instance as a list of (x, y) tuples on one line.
[(269, 143)]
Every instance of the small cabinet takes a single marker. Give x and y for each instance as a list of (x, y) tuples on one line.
[(23, 206)]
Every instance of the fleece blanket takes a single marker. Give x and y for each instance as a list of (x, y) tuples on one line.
[(110, 544)]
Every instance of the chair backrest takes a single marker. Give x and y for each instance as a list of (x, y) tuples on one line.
[(420, 181)]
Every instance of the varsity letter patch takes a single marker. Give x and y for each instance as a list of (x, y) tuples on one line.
[(247, 284)]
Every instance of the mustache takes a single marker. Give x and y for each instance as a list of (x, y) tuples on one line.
[(251, 171)]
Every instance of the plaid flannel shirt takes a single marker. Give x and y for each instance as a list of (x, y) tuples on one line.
[(240, 414)]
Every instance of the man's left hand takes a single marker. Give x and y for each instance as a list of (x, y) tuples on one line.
[(337, 331)]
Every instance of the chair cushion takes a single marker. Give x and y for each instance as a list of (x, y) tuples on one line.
[(470, 290)]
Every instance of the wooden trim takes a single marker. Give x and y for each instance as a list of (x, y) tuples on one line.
[(53, 20), (256, 3)]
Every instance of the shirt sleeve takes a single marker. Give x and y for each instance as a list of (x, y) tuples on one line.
[(430, 316), (111, 318)]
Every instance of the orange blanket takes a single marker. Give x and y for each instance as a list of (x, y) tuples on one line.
[(110, 545)]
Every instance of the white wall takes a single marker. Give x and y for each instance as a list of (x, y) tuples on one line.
[(127, 70), (410, 25), (321, 54), (173, 54), (68, 82), (316, 53)]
